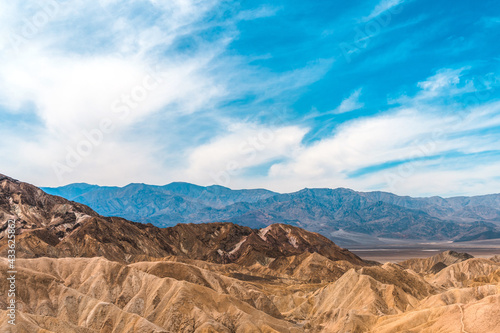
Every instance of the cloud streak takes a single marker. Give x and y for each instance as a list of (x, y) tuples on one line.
[(382, 7), (350, 104), (398, 146)]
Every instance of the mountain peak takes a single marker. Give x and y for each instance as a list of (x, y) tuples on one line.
[(437, 262), (4, 177)]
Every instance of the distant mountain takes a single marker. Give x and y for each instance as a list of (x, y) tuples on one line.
[(328, 211), (161, 205)]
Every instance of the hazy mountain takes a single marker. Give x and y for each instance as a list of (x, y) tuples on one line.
[(163, 205), (77, 271), (327, 211)]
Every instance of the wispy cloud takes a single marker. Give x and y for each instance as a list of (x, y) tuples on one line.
[(395, 145), (491, 22), (443, 79), (351, 103), (243, 146), (382, 7), (261, 12)]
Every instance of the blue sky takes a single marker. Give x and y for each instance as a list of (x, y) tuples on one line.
[(397, 95)]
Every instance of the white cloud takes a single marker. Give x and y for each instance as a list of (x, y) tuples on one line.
[(351, 103), (444, 177), (72, 91), (243, 146), (362, 143), (71, 87), (75, 93), (443, 79), (261, 12), (382, 7)]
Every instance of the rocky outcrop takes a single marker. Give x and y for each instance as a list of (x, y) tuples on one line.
[(435, 263)]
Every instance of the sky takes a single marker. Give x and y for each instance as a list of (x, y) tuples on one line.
[(392, 95)]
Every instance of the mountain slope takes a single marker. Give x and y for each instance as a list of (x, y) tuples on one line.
[(435, 263), (140, 202)]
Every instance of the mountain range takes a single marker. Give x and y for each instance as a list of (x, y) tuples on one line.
[(341, 214), (78, 271)]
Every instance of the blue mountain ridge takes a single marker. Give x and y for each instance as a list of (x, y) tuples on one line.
[(327, 211)]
